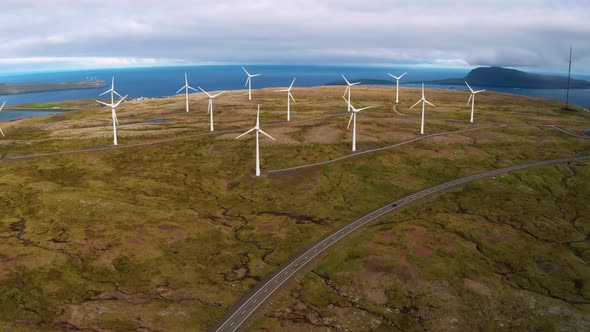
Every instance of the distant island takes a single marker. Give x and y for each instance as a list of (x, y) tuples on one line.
[(365, 81), (19, 88), (511, 78)]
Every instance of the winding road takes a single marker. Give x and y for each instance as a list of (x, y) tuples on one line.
[(240, 312)]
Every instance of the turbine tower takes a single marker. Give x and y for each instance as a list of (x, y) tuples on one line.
[(249, 82), (397, 85), (289, 97), (1, 107), (424, 102), (348, 87), (210, 107), (353, 120), (186, 87), (258, 130), (114, 115), (472, 99)]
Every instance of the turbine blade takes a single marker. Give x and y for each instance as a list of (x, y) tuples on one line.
[(397, 78), (258, 117), (346, 100), (290, 86), (290, 95), (345, 91), (1, 107), (177, 92), (470, 89), (100, 102), (285, 90), (104, 93), (204, 91), (429, 103), (246, 133), (478, 91), (402, 75), (247, 80), (422, 90), (364, 108), (267, 135), (190, 87), (470, 97), (355, 83), (219, 94), (349, 121), (115, 92), (247, 73), (347, 82), (120, 101), (185, 79), (416, 104), (1, 132), (255, 75)]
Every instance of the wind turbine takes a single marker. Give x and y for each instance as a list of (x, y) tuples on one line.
[(113, 93), (249, 82), (210, 107), (114, 115), (258, 130), (424, 102), (397, 85), (186, 87), (289, 97), (472, 99), (348, 86), (353, 119), (1, 107)]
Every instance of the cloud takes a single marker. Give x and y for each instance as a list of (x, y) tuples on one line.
[(525, 33)]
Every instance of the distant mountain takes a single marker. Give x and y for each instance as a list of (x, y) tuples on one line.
[(18, 88), (365, 81), (511, 78)]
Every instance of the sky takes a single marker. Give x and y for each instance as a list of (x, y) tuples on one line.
[(44, 35)]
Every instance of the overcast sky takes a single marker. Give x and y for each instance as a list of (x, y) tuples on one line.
[(60, 34)]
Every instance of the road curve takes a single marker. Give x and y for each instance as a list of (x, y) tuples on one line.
[(249, 303), (396, 111)]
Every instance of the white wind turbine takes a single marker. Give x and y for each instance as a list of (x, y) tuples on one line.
[(249, 82), (424, 102), (1, 107), (289, 97), (348, 88), (472, 99), (114, 115), (186, 87), (113, 93), (258, 130), (397, 85), (353, 120), (210, 107)]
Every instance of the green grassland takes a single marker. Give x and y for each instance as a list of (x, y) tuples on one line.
[(509, 253), (167, 236)]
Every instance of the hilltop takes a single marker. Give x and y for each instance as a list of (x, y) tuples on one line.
[(169, 229), (511, 78)]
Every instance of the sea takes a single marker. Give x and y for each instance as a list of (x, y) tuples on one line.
[(165, 81)]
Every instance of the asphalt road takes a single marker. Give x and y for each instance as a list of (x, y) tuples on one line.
[(248, 304)]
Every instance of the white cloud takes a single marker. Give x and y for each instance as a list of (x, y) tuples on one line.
[(522, 33)]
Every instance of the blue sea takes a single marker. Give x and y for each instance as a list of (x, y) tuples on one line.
[(165, 81)]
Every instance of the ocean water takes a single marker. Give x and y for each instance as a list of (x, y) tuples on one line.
[(165, 81)]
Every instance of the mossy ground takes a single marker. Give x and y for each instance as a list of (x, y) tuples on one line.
[(509, 253), (167, 236)]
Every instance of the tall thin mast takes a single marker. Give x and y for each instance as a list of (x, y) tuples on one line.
[(569, 77)]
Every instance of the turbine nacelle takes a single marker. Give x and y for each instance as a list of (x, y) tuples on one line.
[(112, 105)]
